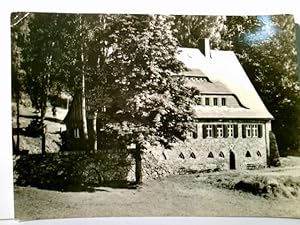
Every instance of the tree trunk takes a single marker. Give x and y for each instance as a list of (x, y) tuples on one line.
[(44, 142), (95, 139), (138, 165), (17, 149), (83, 106), (42, 119)]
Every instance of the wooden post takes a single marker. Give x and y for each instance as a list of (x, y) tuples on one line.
[(138, 165)]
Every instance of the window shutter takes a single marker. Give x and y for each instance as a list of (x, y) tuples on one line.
[(204, 129), (215, 133), (244, 130), (259, 130), (195, 134), (225, 130), (235, 130)]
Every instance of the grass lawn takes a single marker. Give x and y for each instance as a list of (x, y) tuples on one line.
[(185, 195)]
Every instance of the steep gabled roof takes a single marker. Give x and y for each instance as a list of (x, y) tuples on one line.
[(227, 76), (208, 87)]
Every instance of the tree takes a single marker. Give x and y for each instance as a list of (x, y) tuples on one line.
[(19, 31), (191, 29), (271, 65), (42, 60), (149, 103)]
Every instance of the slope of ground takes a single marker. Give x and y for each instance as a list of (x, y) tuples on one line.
[(54, 126)]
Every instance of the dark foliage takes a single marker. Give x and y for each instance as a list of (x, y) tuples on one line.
[(71, 172)]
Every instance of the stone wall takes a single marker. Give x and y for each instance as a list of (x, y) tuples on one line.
[(202, 154)]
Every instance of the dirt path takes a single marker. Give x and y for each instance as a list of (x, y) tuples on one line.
[(185, 195)]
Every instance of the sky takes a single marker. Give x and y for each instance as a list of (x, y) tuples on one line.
[(265, 32)]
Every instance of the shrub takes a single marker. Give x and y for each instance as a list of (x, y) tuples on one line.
[(274, 153), (72, 172)]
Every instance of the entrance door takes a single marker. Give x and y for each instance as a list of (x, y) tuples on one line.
[(232, 160)]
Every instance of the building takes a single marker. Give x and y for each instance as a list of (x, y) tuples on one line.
[(232, 124)]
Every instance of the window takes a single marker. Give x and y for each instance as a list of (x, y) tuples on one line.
[(223, 101), (248, 130), (221, 155), (103, 109), (76, 133), (206, 101), (210, 155), (198, 100), (254, 130), (189, 134), (209, 130), (215, 101), (230, 130), (248, 154), (181, 155), (220, 131), (193, 155), (258, 153)]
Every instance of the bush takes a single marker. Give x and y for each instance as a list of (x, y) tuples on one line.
[(274, 153), (72, 172)]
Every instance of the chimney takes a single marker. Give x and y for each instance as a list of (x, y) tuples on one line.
[(204, 47)]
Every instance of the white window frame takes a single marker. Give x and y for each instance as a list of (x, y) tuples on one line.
[(189, 134), (230, 130), (248, 130), (76, 133), (209, 131), (255, 130), (220, 132)]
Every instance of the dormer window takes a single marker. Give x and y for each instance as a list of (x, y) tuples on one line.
[(206, 101), (215, 101), (223, 101)]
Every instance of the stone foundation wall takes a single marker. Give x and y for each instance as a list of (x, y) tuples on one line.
[(201, 154)]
